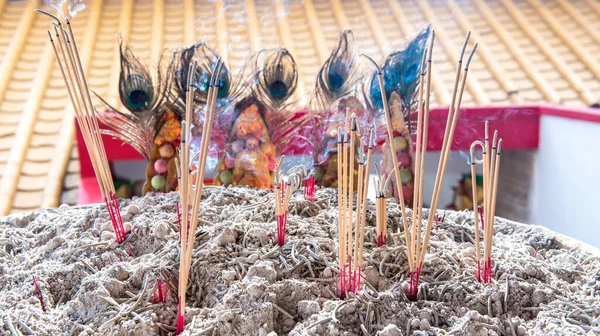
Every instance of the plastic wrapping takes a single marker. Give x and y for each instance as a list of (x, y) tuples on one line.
[(337, 96), (252, 122), (401, 74)]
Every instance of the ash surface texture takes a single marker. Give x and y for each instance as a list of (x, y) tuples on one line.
[(241, 283)]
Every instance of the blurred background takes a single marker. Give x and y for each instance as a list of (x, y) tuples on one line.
[(536, 77)]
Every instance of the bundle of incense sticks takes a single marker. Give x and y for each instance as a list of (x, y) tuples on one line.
[(69, 62), (364, 171), (160, 294), (491, 165), (416, 249), (351, 247), (309, 188), (190, 191), (381, 185), (283, 193)]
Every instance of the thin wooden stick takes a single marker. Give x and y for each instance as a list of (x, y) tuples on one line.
[(69, 61), (351, 178), (444, 155), (394, 158), (187, 191), (365, 191), (494, 191), (346, 174), (359, 195), (418, 148), (486, 185), (341, 228), (475, 206), (492, 160), (423, 150)]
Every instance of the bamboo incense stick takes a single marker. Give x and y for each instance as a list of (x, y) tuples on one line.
[(361, 168), (492, 209), (425, 133), (491, 160), (341, 229), (418, 148), (278, 201), (475, 206), (346, 200), (363, 198), (192, 193), (491, 165), (350, 176), (447, 144), (69, 62), (394, 158)]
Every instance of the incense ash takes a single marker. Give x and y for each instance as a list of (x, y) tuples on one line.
[(268, 248), (241, 282)]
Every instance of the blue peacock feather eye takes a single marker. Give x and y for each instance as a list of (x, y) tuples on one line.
[(138, 99), (139, 93), (336, 78), (278, 89), (224, 84)]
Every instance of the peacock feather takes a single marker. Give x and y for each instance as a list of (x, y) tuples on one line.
[(401, 74), (144, 97)]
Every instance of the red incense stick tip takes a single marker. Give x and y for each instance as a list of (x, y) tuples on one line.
[(357, 279), (180, 324), (281, 228), (39, 294), (160, 292), (309, 189)]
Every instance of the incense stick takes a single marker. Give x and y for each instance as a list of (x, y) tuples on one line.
[(394, 158), (341, 228), (447, 144), (415, 249), (363, 214), (71, 68), (417, 178), (189, 194), (491, 165), (475, 205), (425, 133)]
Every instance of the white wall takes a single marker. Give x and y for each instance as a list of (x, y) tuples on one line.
[(567, 178), (457, 164)]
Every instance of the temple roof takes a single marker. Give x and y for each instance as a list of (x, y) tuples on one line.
[(530, 52)]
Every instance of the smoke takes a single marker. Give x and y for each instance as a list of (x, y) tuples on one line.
[(73, 7)]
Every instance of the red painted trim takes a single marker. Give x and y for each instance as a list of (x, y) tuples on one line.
[(584, 114), (518, 125)]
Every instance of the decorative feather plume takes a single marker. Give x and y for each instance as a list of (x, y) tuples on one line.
[(337, 77), (230, 86), (145, 99), (231, 89), (273, 81), (401, 73), (274, 77)]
